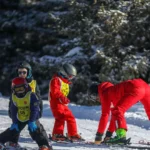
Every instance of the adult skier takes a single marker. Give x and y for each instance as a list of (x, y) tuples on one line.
[(58, 92), (116, 100), (24, 111)]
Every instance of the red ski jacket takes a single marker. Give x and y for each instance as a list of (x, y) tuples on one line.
[(119, 98), (58, 92)]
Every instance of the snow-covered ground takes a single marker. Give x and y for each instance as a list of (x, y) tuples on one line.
[(87, 120)]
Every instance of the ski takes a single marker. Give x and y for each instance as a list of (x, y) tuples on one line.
[(21, 148), (84, 143), (71, 142), (65, 141), (3, 147), (143, 142), (137, 147), (105, 145), (125, 144)]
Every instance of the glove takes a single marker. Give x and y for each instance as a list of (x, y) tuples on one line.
[(32, 126), (14, 126), (108, 136), (64, 100), (98, 138)]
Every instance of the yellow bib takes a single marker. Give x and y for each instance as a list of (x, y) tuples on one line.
[(33, 85), (64, 88), (23, 105)]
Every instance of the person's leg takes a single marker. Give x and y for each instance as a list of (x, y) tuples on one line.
[(8, 135), (71, 122), (59, 125), (21, 126), (146, 100), (127, 101), (72, 126), (112, 126), (40, 135), (11, 135), (59, 121)]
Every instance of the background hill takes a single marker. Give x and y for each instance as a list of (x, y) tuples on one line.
[(106, 41)]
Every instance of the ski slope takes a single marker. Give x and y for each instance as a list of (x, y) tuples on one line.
[(87, 119)]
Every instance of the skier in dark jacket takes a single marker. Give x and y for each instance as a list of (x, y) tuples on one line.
[(25, 110), (24, 70)]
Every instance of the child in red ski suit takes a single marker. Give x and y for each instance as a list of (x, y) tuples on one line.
[(58, 92), (117, 99)]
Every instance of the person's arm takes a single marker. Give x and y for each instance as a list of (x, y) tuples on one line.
[(9, 104), (146, 104), (34, 107), (101, 128), (105, 106), (112, 125), (55, 86), (37, 91), (14, 111), (110, 130)]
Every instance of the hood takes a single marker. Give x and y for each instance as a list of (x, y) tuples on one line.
[(103, 86)]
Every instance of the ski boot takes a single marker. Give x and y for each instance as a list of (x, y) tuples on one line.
[(119, 139), (58, 137), (108, 136), (44, 147), (98, 138), (76, 138), (12, 145)]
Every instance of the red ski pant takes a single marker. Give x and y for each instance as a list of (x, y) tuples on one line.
[(62, 116), (128, 100)]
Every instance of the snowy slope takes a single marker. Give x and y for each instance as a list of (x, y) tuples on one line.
[(87, 120)]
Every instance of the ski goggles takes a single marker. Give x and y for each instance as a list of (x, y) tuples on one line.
[(19, 89), (70, 77), (22, 72)]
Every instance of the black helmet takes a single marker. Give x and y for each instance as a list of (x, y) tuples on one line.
[(28, 67), (67, 71)]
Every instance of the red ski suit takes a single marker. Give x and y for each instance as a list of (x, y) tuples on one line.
[(58, 91), (118, 98)]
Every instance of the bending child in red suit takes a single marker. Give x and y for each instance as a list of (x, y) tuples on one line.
[(117, 99)]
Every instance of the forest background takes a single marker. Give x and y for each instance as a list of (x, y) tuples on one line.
[(107, 40)]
